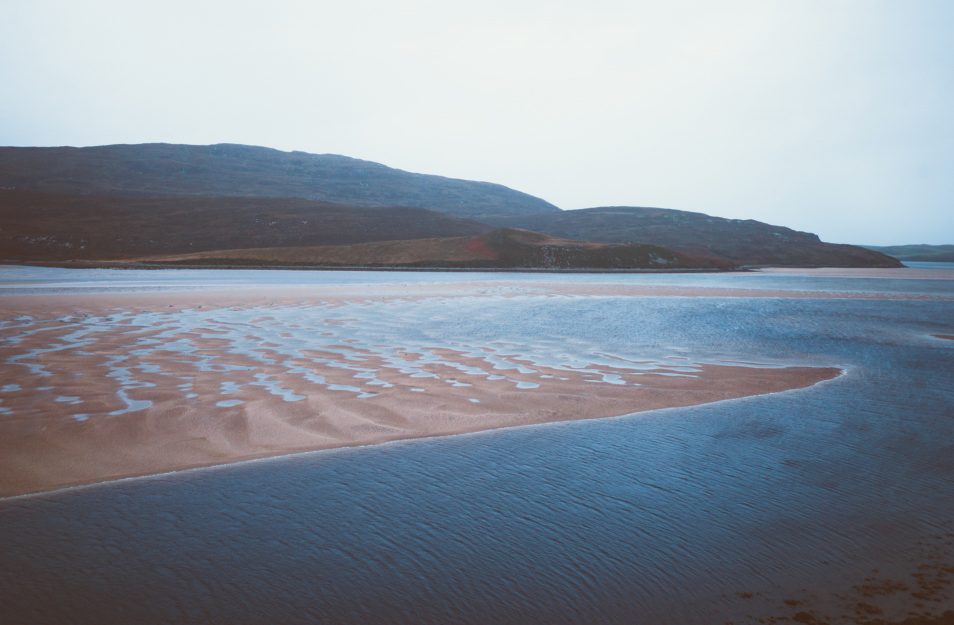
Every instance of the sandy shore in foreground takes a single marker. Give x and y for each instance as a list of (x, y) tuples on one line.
[(126, 400)]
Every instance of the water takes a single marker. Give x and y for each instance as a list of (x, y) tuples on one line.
[(660, 517), (929, 265), (15, 280)]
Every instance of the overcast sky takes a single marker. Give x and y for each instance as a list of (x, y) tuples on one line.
[(830, 116)]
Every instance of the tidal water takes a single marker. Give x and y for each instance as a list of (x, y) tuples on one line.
[(669, 516), (21, 280)]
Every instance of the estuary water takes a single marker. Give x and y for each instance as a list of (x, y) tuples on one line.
[(733, 511)]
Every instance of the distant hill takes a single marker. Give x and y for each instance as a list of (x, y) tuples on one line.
[(49, 226), (504, 248), (157, 169), (130, 201), (743, 242), (917, 252)]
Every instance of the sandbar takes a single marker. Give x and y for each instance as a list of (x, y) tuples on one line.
[(90, 392)]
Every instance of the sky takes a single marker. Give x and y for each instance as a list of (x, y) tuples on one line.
[(832, 116)]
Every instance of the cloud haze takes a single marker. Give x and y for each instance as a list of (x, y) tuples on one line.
[(829, 116)]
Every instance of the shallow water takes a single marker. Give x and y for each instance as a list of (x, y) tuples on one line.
[(661, 517), (914, 264), (23, 280)]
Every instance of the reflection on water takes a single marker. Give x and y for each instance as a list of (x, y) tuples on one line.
[(671, 516)]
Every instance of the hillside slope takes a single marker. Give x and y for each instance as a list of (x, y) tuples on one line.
[(917, 252), (124, 201), (156, 169), (744, 242), (46, 226), (504, 248)]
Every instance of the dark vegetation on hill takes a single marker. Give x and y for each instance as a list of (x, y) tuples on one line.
[(917, 252), (500, 249), (45, 226), (133, 201), (154, 169), (743, 242)]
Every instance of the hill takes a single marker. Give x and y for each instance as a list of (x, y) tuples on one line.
[(48, 226), (917, 252), (499, 249), (130, 201), (743, 242), (157, 169)]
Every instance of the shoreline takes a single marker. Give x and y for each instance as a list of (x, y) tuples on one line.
[(841, 372), (46, 448), (106, 264), (60, 298), (903, 272)]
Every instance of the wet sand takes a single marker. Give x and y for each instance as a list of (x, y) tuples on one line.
[(919, 595), (91, 393)]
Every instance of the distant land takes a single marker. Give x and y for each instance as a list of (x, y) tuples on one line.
[(233, 204), (917, 252), (740, 241), (157, 169), (504, 248)]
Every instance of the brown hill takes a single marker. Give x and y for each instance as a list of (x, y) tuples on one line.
[(155, 169), (45, 226), (58, 203), (743, 242), (504, 248)]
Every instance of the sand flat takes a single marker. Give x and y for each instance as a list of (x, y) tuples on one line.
[(100, 387), (264, 295)]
